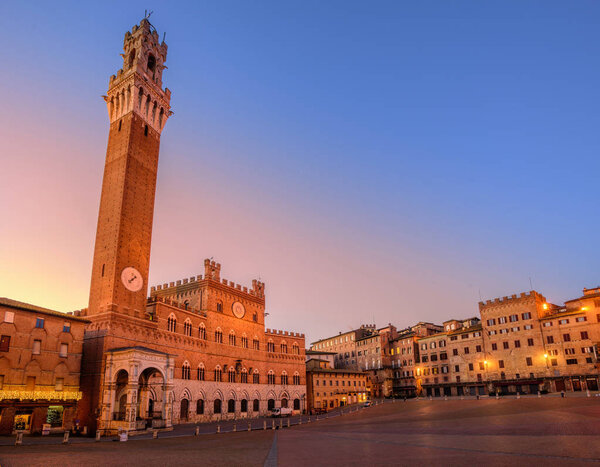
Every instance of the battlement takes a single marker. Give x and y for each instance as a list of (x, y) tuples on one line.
[(212, 271), (277, 332), (513, 298), (175, 304)]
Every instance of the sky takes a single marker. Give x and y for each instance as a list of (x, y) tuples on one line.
[(372, 162)]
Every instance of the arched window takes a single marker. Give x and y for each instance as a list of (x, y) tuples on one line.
[(296, 404), (244, 341), (231, 406), (271, 377), (231, 337), (244, 376), (296, 378), (201, 372), (184, 409), (256, 405), (217, 406), (187, 327), (200, 406), (131, 58), (202, 331), (172, 323), (283, 347), (284, 403), (256, 344), (244, 406), (256, 377), (255, 317), (218, 374), (271, 404), (284, 378), (151, 64), (219, 336), (219, 306), (185, 371), (295, 349), (270, 346), (231, 375)]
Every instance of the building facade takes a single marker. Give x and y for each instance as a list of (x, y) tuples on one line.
[(196, 349), (328, 388), (40, 361)]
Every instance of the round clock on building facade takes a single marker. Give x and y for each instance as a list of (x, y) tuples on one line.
[(238, 310), (132, 279)]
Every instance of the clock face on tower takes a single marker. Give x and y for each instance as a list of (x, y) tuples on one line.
[(238, 310), (132, 279)]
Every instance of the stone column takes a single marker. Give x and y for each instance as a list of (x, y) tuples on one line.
[(131, 406), (167, 408)]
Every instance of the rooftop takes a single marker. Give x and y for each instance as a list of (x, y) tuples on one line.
[(38, 309)]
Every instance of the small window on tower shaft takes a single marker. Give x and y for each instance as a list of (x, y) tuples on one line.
[(151, 64), (146, 131), (103, 269), (120, 125)]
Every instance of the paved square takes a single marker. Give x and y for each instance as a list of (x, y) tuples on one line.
[(530, 431)]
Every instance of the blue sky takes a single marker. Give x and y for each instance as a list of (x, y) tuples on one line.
[(386, 161)]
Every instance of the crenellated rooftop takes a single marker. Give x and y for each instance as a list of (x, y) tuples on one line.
[(279, 333)]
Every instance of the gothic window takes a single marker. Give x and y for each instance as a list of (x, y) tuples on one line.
[(255, 405), (172, 323), (256, 378), (218, 336), (244, 376), (131, 58), (218, 374), (295, 349), (220, 306), (201, 372), (202, 331), (217, 406), (185, 371), (231, 338), (244, 406), (244, 342), (187, 327), (231, 375), (255, 317), (284, 348), (151, 64), (140, 97), (200, 406), (284, 378), (296, 379), (270, 346), (271, 377), (231, 406), (256, 344)]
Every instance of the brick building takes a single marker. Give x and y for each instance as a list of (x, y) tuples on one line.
[(40, 360), (328, 388), (196, 349), (344, 346)]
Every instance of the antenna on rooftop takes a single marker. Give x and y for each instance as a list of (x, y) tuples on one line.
[(147, 15), (530, 284)]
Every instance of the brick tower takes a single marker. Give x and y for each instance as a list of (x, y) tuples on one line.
[(138, 109)]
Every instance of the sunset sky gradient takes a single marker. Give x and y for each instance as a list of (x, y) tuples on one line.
[(370, 161)]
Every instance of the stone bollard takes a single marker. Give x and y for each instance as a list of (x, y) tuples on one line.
[(264, 424), (462, 398), (518, 395), (218, 428), (300, 421), (197, 430), (66, 438), (587, 392), (19, 439), (445, 398), (97, 435), (249, 426), (154, 434), (281, 423), (234, 426), (288, 424), (273, 425), (539, 394), (317, 418), (430, 398)]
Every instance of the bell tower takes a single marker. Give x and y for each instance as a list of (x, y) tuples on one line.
[(138, 109)]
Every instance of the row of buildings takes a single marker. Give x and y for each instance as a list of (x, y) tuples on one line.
[(518, 344)]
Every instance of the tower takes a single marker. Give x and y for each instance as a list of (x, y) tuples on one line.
[(138, 109)]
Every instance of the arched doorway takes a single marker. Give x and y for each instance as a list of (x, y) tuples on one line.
[(244, 406), (150, 400), (122, 380), (217, 406), (284, 403), (200, 406), (256, 405), (296, 404), (231, 406), (185, 409), (271, 404)]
